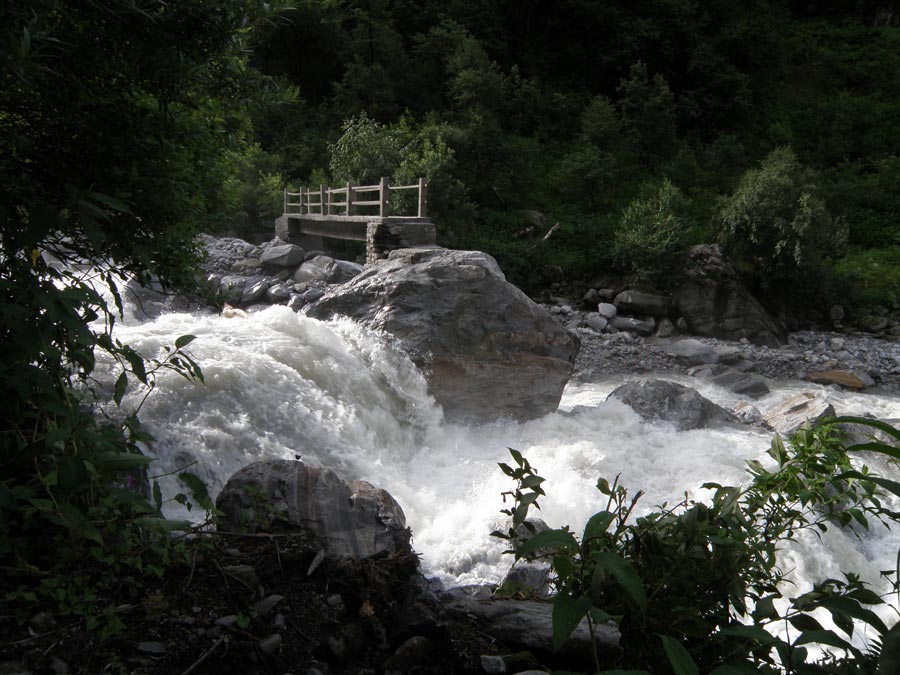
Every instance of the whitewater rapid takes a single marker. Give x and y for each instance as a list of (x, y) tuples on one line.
[(281, 385)]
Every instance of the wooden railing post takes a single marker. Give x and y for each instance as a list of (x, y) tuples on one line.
[(323, 199), (384, 192), (349, 198), (301, 200), (423, 198)]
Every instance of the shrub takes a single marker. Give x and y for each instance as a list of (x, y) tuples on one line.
[(650, 231), (775, 223), (694, 586)]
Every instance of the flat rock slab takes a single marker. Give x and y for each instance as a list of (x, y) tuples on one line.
[(639, 302), (692, 352), (787, 417)]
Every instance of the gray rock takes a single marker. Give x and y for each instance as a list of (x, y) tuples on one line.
[(271, 644), (639, 302), (312, 294), (875, 325), (60, 667), (746, 412), (493, 665), (715, 302), (254, 289), (591, 299), (692, 352), (156, 648), (607, 310), (416, 651), (745, 384), (486, 349), (296, 302), (278, 293), (596, 322), (836, 314), (284, 255), (347, 520), (526, 624), (727, 354), (245, 573), (531, 579), (665, 328), (787, 417), (266, 605), (643, 327), (663, 401), (327, 269)]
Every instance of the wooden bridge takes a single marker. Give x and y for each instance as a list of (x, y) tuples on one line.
[(370, 213)]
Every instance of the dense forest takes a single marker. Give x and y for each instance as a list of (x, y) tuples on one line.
[(639, 127)]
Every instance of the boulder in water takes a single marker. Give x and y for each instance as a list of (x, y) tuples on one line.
[(348, 520), (786, 418), (663, 401), (486, 349)]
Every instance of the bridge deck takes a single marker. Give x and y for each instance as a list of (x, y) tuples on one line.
[(344, 227)]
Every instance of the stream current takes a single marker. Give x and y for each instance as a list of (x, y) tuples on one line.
[(281, 385)]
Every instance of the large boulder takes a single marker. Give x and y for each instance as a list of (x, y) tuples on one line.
[(326, 269), (347, 519), (715, 302), (485, 348), (663, 401)]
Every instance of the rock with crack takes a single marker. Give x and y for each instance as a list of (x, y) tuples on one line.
[(787, 417), (347, 519), (486, 349)]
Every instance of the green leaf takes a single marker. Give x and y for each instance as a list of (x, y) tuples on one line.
[(805, 622), (567, 613), (184, 341), (822, 637), (121, 387), (597, 525), (679, 659), (624, 573), (548, 539), (843, 606)]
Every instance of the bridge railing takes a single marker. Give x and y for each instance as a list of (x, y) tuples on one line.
[(345, 201)]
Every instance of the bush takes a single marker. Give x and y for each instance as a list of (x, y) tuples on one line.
[(776, 225), (650, 231), (694, 586)]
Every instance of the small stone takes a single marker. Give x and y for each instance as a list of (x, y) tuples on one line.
[(229, 621), (266, 605), (271, 644), (416, 651), (156, 648), (246, 574), (279, 622), (493, 665), (746, 412), (607, 310), (57, 665), (665, 328), (42, 622), (836, 314), (596, 322)]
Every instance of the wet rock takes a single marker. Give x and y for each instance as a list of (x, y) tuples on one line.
[(246, 574), (662, 401), (278, 293), (746, 412), (486, 349), (665, 328), (787, 417), (745, 384), (352, 520), (530, 579)]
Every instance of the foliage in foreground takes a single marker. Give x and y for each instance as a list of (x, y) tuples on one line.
[(697, 587), (113, 123)]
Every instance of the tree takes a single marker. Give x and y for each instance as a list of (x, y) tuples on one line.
[(776, 224), (113, 123)]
